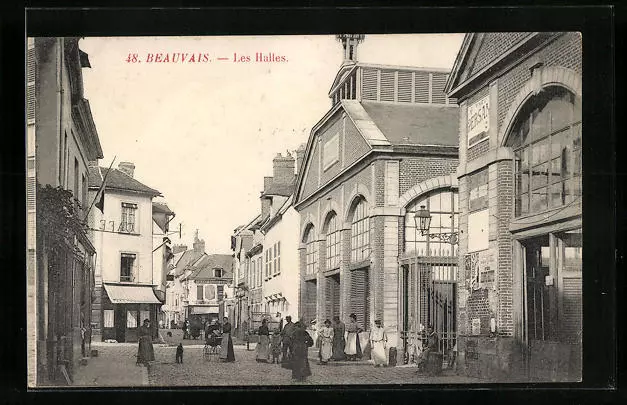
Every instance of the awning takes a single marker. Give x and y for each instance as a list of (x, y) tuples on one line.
[(131, 294)]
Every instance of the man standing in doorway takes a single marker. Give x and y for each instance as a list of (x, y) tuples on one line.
[(286, 341)]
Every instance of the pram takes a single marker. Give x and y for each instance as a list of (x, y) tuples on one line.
[(212, 346)]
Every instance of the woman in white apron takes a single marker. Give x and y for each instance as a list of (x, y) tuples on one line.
[(378, 343)]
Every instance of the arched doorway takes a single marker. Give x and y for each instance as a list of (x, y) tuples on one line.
[(429, 273)]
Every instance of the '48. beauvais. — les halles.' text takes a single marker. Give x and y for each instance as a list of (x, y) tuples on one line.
[(200, 57)]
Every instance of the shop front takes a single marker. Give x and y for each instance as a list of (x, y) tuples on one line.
[(125, 307)]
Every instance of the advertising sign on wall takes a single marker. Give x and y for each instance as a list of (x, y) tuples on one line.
[(478, 122)]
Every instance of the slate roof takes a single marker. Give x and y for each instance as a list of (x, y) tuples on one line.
[(415, 124), (117, 180), (161, 208), (206, 264), (284, 190), (185, 259)]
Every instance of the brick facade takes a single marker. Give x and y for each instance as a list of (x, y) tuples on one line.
[(557, 61)]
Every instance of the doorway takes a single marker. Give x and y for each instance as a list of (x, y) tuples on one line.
[(120, 324), (332, 297)]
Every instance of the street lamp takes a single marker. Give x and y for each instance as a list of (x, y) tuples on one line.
[(422, 218)]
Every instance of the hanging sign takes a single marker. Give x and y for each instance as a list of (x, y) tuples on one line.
[(478, 121)]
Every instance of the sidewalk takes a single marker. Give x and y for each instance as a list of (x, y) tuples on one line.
[(114, 367)]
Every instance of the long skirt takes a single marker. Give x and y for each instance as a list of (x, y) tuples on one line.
[(299, 363), (338, 348), (378, 353), (353, 348), (226, 348), (326, 350), (145, 352), (263, 352)]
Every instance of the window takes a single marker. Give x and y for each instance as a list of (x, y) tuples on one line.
[(360, 233), (546, 140), (333, 242), (259, 269), (127, 224), (127, 267), (444, 209), (131, 319), (217, 272), (253, 273), (108, 318), (76, 195), (311, 252), (200, 295), (277, 258), (210, 292)]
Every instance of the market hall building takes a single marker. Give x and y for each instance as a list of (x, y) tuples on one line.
[(387, 145), (520, 246)]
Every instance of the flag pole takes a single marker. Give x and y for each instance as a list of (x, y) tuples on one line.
[(101, 187)]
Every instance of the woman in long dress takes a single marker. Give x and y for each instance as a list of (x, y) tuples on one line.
[(353, 347), (326, 342), (301, 342), (145, 351), (263, 354), (378, 342), (338, 339), (226, 347)]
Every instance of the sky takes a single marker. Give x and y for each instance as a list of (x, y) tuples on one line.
[(205, 133)]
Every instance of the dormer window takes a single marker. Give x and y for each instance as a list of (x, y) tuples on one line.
[(217, 272)]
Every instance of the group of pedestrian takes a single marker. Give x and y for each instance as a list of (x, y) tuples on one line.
[(291, 343)]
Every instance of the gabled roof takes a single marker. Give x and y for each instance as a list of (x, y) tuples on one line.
[(162, 208), (204, 267), (277, 217), (118, 180), (386, 125), (186, 259)]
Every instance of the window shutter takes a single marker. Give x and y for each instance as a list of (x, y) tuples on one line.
[(200, 293), (360, 297), (404, 87), (437, 89), (571, 309), (369, 85), (220, 292), (387, 85), (310, 299), (422, 87), (31, 72)]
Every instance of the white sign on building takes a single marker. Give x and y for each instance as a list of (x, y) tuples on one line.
[(478, 121)]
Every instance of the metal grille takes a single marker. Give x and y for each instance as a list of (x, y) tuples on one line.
[(429, 288)]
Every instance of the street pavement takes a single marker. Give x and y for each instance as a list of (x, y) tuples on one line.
[(115, 367)]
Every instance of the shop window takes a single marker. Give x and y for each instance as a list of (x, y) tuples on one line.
[(444, 208), (546, 140), (360, 232), (332, 241), (108, 318), (311, 252), (131, 319)]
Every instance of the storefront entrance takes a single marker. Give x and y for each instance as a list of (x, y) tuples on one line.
[(553, 305)]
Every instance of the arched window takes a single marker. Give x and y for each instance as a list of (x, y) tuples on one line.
[(311, 251), (546, 139), (332, 237), (360, 232), (444, 208)]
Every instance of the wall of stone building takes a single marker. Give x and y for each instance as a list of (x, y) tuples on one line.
[(493, 45)]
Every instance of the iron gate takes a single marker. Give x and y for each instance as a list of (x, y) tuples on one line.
[(429, 291)]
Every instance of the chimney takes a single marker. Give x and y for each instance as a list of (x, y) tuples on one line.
[(127, 168), (199, 244), (300, 155), (283, 169), (178, 248), (92, 163), (267, 183)]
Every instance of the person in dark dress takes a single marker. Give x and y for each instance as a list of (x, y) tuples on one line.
[(286, 341), (301, 342), (338, 339), (226, 353), (145, 352), (263, 346), (433, 343)]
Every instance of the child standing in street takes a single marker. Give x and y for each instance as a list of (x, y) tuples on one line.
[(275, 346)]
